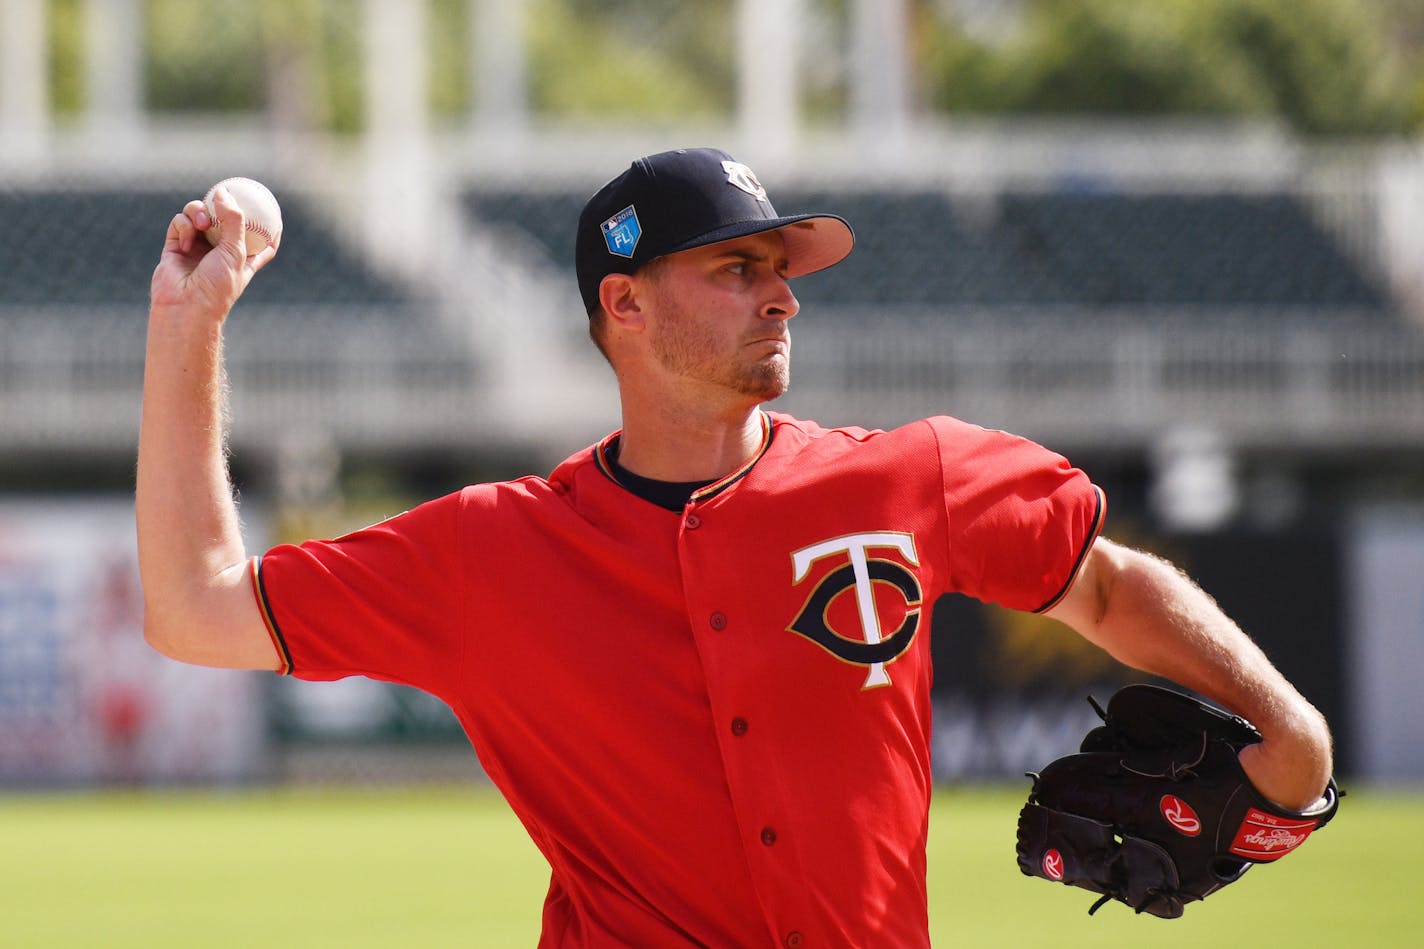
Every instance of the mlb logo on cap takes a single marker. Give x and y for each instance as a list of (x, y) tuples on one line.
[(621, 232)]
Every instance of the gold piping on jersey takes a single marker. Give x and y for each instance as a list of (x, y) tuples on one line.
[(717, 487), (263, 607), (600, 458)]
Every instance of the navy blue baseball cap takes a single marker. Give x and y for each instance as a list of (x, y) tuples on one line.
[(678, 200)]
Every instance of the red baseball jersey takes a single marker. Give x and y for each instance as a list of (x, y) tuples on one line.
[(714, 723)]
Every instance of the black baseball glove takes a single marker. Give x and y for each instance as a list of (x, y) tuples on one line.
[(1155, 811)]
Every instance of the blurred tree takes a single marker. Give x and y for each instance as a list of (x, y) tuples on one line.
[(204, 57), (825, 71), (1114, 57), (631, 58), (66, 60), (298, 80), (1404, 33), (449, 68), (1323, 66)]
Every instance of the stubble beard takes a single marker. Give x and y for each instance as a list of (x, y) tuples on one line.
[(684, 349), (772, 379)]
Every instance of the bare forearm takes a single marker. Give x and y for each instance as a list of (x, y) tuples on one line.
[(198, 602), (188, 528), (1150, 616)]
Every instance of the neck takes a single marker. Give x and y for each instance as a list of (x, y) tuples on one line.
[(670, 445)]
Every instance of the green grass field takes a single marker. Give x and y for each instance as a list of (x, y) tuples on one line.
[(451, 867)]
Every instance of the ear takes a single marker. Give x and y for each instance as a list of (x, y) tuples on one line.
[(619, 296)]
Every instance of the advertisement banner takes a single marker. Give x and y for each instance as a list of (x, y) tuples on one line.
[(83, 699)]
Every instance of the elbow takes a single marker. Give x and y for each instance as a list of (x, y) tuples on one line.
[(194, 621), (163, 635), (216, 627), (173, 627)]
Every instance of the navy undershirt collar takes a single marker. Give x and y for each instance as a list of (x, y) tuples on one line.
[(672, 495)]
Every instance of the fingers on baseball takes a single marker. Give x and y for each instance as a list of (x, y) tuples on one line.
[(197, 215), (260, 259), (232, 225), (184, 227)]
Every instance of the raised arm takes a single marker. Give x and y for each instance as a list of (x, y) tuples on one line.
[(1149, 615), (199, 605)]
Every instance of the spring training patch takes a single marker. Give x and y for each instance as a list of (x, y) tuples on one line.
[(621, 232)]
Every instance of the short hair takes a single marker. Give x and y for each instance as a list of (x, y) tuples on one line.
[(598, 317), (598, 329)]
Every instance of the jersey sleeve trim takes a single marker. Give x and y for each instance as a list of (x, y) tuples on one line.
[(1099, 514), (259, 591)]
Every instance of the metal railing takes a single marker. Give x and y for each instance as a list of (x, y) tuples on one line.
[(1120, 379), (1288, 380)]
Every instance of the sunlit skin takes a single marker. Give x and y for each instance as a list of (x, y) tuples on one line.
[(699, 339), (724, 311)]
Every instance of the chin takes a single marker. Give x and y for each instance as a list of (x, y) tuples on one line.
[(766, 388)]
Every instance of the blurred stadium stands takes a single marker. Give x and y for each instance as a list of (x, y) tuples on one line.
[(1085, 315), (1089, 282), (1090, 315), (320, 333), (1086, 249)]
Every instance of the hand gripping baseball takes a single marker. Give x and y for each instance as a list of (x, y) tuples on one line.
[(1155, 811), (208, 279)]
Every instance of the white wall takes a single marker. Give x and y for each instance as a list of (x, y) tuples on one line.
[(1385, 588)]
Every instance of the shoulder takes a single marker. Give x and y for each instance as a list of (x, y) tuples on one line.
[(964, 443), (956, 451), (582, 474), (941, 428), (851, 457)]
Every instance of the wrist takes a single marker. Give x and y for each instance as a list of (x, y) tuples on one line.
[(185, 322), (1290, 772)]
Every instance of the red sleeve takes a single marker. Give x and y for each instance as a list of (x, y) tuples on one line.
[(1020, 517), (384, 602)]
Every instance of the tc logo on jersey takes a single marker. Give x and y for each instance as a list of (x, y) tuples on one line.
[(870, 645), (621, 232)]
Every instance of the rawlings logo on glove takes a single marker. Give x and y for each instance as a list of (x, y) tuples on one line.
[(1155, 811)]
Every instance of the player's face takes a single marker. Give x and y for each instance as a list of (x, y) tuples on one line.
[(721, 314)]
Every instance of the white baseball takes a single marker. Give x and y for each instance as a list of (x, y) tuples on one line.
[(260, 210)]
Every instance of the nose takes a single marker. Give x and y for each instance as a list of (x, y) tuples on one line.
[(781, 304)]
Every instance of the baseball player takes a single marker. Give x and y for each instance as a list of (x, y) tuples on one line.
[(695, 658)]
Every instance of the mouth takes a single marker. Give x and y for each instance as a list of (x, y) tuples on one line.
[(782, 343)]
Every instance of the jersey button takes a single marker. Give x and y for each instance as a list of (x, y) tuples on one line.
[(739, 726), (793, 939), (692, 522), (768, 836), (717, 620)]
